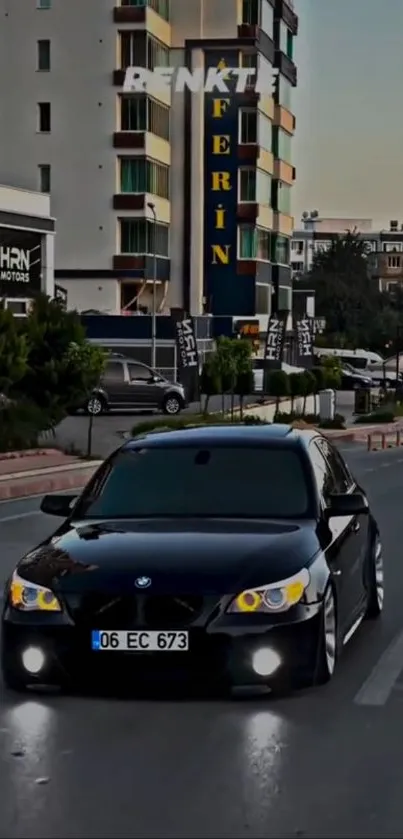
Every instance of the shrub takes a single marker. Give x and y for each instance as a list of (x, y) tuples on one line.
[(193, 421), (338, 421), (380, 417), (21, 426)]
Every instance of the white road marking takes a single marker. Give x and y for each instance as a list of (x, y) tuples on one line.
[(20, 516), (378, 686)]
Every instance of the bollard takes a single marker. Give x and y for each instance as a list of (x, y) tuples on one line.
[(383, 439), (369, 442), (398, 438)]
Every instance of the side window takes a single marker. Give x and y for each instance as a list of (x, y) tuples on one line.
[(343, 479), (114, 372), (137, 372), (324, 477)]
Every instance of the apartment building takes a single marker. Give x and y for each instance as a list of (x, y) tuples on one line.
[(384, 247), (145, 193)]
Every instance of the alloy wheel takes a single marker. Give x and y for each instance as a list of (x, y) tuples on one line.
[(329, 619)]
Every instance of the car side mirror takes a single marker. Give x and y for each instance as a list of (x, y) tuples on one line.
[(155, 379), (58, 505), (346, 504)]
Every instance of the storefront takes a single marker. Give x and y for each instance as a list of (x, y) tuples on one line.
[(27, 233)]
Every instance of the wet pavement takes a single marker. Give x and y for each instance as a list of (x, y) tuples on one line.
[(323, 763)]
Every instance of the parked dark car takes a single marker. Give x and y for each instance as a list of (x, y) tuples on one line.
[(353, 379), (129, 384)]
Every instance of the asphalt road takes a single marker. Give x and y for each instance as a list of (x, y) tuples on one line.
[(108, 430), (324, 763)]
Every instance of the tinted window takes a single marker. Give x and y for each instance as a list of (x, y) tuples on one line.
[(114, 372), (324, 477), (225, 481), (138, 372), (343, 479)]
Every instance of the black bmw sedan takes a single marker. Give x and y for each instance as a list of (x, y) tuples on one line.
[(224, 556)]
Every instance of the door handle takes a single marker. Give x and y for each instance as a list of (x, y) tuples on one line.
[(356, 526), (336, 573)]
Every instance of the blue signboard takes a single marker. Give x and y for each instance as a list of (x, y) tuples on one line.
[(221, 190)]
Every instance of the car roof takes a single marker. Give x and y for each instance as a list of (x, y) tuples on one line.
[(226, 435)]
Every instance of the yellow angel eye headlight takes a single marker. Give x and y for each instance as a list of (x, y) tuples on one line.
[(29, 597), (248, 601), (294, 592)]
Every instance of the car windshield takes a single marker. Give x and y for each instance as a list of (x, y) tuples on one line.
[(226, 481)]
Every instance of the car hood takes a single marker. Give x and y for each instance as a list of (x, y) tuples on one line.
[(208, 556)]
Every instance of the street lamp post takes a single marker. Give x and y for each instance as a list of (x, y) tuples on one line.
[(154, 303)]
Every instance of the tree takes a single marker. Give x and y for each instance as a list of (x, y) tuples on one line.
[(295, 387), (209, 381), (357, 314), (225, 367), (244, 381), (62, 366), (278, 385), (13, 352), (308, 383)]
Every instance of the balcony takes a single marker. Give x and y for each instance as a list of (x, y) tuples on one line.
[(247, 212), (128, 263), (129, 14), (286, 67), (283, 11), (129, 201), (253, 36), (129, 140)]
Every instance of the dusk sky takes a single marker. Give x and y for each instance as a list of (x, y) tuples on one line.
[(349, 109)]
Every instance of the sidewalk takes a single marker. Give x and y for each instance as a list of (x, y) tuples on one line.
[(40, 472)]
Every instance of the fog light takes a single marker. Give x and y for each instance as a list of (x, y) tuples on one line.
[(33, 660), (265, 662)]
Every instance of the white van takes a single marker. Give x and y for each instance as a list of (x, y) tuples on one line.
[(360, 359)]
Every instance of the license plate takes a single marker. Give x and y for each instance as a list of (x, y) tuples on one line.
[(140, 642)]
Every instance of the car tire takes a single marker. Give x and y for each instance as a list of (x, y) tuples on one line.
[(328, 639), (375, 581), (172, 405), (96, 405)]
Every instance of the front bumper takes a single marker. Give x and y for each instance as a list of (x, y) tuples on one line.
[(223, 651)]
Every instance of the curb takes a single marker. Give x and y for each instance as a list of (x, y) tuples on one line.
[(29, 453), (25, 487), (50, 470)]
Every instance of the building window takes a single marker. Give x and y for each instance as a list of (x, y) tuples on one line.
[(265, 132), (254, 185), (138, 175), (160, 7), (283, 39), (392, 247), (253, 242), (247, 184), (44, 177), (44, 118), (298, 267), (290, 46), (263, 244), (267, 18), (297, 247), (250, 12), (137, 49), (284, 199), (284, 298), (282, 146), (138, 113), (44, 4), (249, 59), (284, 97), (262, 299), (248, 126), (43, 55), (140, 236), (394, 262), (281, 250)]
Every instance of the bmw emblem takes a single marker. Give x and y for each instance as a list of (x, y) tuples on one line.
[(142, 582)]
